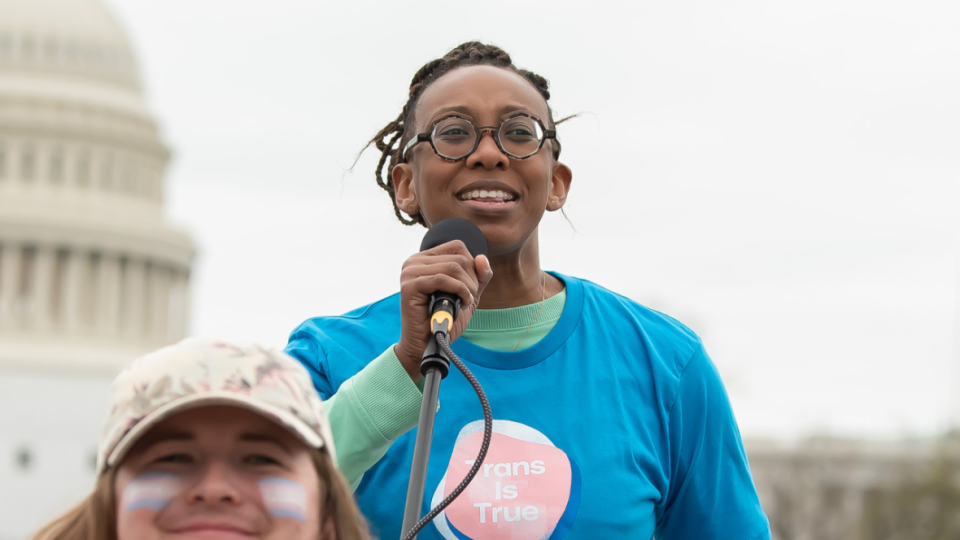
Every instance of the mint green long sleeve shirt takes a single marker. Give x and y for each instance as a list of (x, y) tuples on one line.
[(380, 403)]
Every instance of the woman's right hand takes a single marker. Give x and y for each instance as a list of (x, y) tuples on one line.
[(448, 268)]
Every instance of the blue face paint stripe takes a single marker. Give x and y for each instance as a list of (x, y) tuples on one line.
[(284, 498), (288, 513), (152, 504), (152, 491)]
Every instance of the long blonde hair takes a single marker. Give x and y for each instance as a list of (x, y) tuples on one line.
[(95, 518), (339, 508)]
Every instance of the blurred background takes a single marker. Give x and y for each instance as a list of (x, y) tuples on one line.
[(784, 178)]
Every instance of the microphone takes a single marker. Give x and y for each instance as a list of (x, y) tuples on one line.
[(444, 307)]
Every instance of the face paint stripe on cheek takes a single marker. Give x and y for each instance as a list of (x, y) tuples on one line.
[(152, 491), (284, 498)]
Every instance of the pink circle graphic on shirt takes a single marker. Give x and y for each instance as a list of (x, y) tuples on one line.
[(526, 489)]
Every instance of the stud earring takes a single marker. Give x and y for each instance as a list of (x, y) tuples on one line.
[(409, 208)]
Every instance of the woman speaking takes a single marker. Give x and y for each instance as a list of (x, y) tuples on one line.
[(610, 420)]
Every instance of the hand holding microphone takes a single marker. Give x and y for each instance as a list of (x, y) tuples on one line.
[(452, 265)]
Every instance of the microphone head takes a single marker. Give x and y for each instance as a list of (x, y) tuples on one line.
[(455, 229)]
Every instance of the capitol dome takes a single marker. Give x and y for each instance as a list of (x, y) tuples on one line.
[(90, 273)]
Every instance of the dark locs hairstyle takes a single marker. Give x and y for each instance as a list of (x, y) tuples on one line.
[(390, 140)]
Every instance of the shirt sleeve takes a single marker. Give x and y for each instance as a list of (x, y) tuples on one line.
[(711, 494), (369, 410)]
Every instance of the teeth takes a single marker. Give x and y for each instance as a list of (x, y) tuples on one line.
[(484, 194)]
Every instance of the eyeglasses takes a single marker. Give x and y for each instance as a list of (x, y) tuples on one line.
[(454, 137)]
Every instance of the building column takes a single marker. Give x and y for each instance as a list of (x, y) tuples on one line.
[(134, 289), (73, 291), (9, 280), (178, 322), (160, 306), (42, 288), (108, 303)]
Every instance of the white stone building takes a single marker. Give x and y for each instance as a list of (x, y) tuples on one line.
[(90, 274), (838, 489)]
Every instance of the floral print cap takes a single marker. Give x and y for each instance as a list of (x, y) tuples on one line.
[(198, 372)]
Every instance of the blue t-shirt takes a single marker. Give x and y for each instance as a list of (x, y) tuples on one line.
[(614, 425)]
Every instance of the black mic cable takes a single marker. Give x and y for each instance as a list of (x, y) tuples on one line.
[(441, 338), (443, 309)]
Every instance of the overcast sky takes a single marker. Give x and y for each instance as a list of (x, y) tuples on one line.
[(782, 177)]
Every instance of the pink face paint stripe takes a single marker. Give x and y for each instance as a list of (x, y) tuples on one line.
[(284, 498), (152, 491)]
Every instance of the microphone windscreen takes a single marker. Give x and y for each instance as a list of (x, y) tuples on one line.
[(455, 229)]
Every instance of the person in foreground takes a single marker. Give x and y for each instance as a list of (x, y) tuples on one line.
[(610, 420), (210, 440)]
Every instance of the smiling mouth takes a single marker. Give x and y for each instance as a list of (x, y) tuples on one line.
[(214, 531), (487, 196)]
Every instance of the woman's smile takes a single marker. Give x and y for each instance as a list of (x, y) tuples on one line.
[(488, 197), (213, 533), (482, 195)]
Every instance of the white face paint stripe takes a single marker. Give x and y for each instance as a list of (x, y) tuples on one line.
[(152, 491), (284, 498)]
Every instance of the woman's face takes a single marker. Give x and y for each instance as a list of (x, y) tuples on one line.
[(440, 189), (218, 473)]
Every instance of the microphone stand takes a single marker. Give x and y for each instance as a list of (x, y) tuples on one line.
[(434, 367)]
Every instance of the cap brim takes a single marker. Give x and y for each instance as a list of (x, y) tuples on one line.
[(298, 427)]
